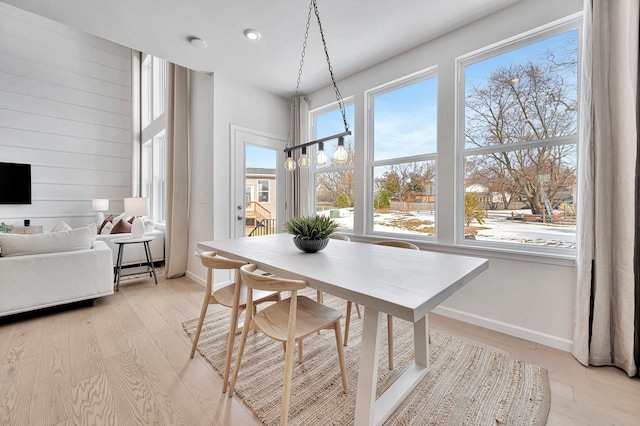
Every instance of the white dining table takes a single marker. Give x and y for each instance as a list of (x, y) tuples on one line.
[(407, 284)]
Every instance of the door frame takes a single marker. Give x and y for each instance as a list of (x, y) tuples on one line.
[(239, 138)]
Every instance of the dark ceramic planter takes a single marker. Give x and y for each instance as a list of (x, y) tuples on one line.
[(310, 246)]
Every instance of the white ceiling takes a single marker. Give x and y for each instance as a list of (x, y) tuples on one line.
[(359, 33)]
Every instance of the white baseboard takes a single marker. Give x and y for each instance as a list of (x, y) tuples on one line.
[(512, 330), (196, 278)]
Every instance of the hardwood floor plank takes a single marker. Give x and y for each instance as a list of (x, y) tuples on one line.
[(16, 384), (51, 398), (86, 355), (109, 334), (7, 328), (178, 406), (150, 317), (126, 316), (93, 403), (25, 340), (131, 394)]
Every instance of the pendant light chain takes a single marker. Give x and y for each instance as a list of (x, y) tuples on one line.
[(333, 79), (340, 155), (304, 49)]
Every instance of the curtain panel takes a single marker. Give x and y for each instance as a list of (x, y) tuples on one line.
[(177, 173), (605, 311)]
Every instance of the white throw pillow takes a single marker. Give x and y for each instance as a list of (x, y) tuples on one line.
[(93, 231), (53, 242), (149, 225), (61, 226), (106, 229), (117, 218)]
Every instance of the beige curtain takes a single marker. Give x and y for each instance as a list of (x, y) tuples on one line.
[(177, 178), (605, 312), (300, 178)]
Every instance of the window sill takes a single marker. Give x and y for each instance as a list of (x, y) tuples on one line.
[(566, 258)]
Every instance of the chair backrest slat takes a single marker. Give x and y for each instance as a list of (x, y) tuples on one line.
[(397, 243), (268, 282), (211, 260)]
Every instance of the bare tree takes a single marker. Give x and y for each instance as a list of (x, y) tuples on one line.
[(525, 102)]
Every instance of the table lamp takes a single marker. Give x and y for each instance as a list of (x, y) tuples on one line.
[(136, 207), (100, 205)]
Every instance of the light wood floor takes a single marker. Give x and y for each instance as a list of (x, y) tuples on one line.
[(126, 361)]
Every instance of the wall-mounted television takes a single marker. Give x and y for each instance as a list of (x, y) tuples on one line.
[(15, 183)]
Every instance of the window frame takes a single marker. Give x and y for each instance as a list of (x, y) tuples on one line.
[(149, 135), (314, 170), (371, 164), (508, 45)]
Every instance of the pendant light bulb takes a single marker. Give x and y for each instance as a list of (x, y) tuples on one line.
[(303, 161), (289, 164), (341, 155), (321, 158)]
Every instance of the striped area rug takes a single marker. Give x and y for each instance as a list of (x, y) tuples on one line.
[(468, 384)]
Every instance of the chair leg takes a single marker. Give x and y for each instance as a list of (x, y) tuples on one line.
[(343, 368), (319, 299), (300, 351), (390, 339), (358, 311), (203, 313), (245, 331), (235, 314), (347, 322), (288, 373)]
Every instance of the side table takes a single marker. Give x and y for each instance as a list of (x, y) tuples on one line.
[(121, 242)]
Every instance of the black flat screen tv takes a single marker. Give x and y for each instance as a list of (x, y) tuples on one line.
[(15, 183)]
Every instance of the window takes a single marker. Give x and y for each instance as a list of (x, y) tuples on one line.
[(248, 193), (153, 99), (520, 142), (403, 122), (334, 184), (263, 191)]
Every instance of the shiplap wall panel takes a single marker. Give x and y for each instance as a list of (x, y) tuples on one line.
[(66, 109), (37, 71), (36, 139), (28, 86)]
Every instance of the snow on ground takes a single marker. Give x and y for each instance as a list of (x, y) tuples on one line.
[(498, 224)]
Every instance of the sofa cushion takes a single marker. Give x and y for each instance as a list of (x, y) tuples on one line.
[(61, 226), (24, 244), (108, 219), (122, 227)]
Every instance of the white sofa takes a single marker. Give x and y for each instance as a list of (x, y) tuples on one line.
[(34, 281), (134, 253)]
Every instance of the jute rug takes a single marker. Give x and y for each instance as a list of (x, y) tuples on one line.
[(468, 384)]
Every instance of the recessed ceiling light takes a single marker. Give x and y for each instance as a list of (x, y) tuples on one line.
[(252, 34), (199, 43)]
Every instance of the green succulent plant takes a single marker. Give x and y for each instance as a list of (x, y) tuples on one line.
[(311, 227)]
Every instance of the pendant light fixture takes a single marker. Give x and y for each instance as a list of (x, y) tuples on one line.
[(321, 158), (341, 155)]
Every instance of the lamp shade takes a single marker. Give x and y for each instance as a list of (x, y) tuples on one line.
[(136, 206), (100, 204)]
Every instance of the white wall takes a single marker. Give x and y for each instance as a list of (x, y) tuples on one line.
[(526, 297), (233, 104), (65, 108)]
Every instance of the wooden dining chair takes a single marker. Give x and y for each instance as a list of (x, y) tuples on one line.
[(390, 243), (287, 321), (225, 297)]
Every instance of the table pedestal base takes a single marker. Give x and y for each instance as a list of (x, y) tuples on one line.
[(370, 411)]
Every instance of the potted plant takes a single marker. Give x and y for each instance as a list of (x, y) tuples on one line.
[(5, 228), (311, 233)]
